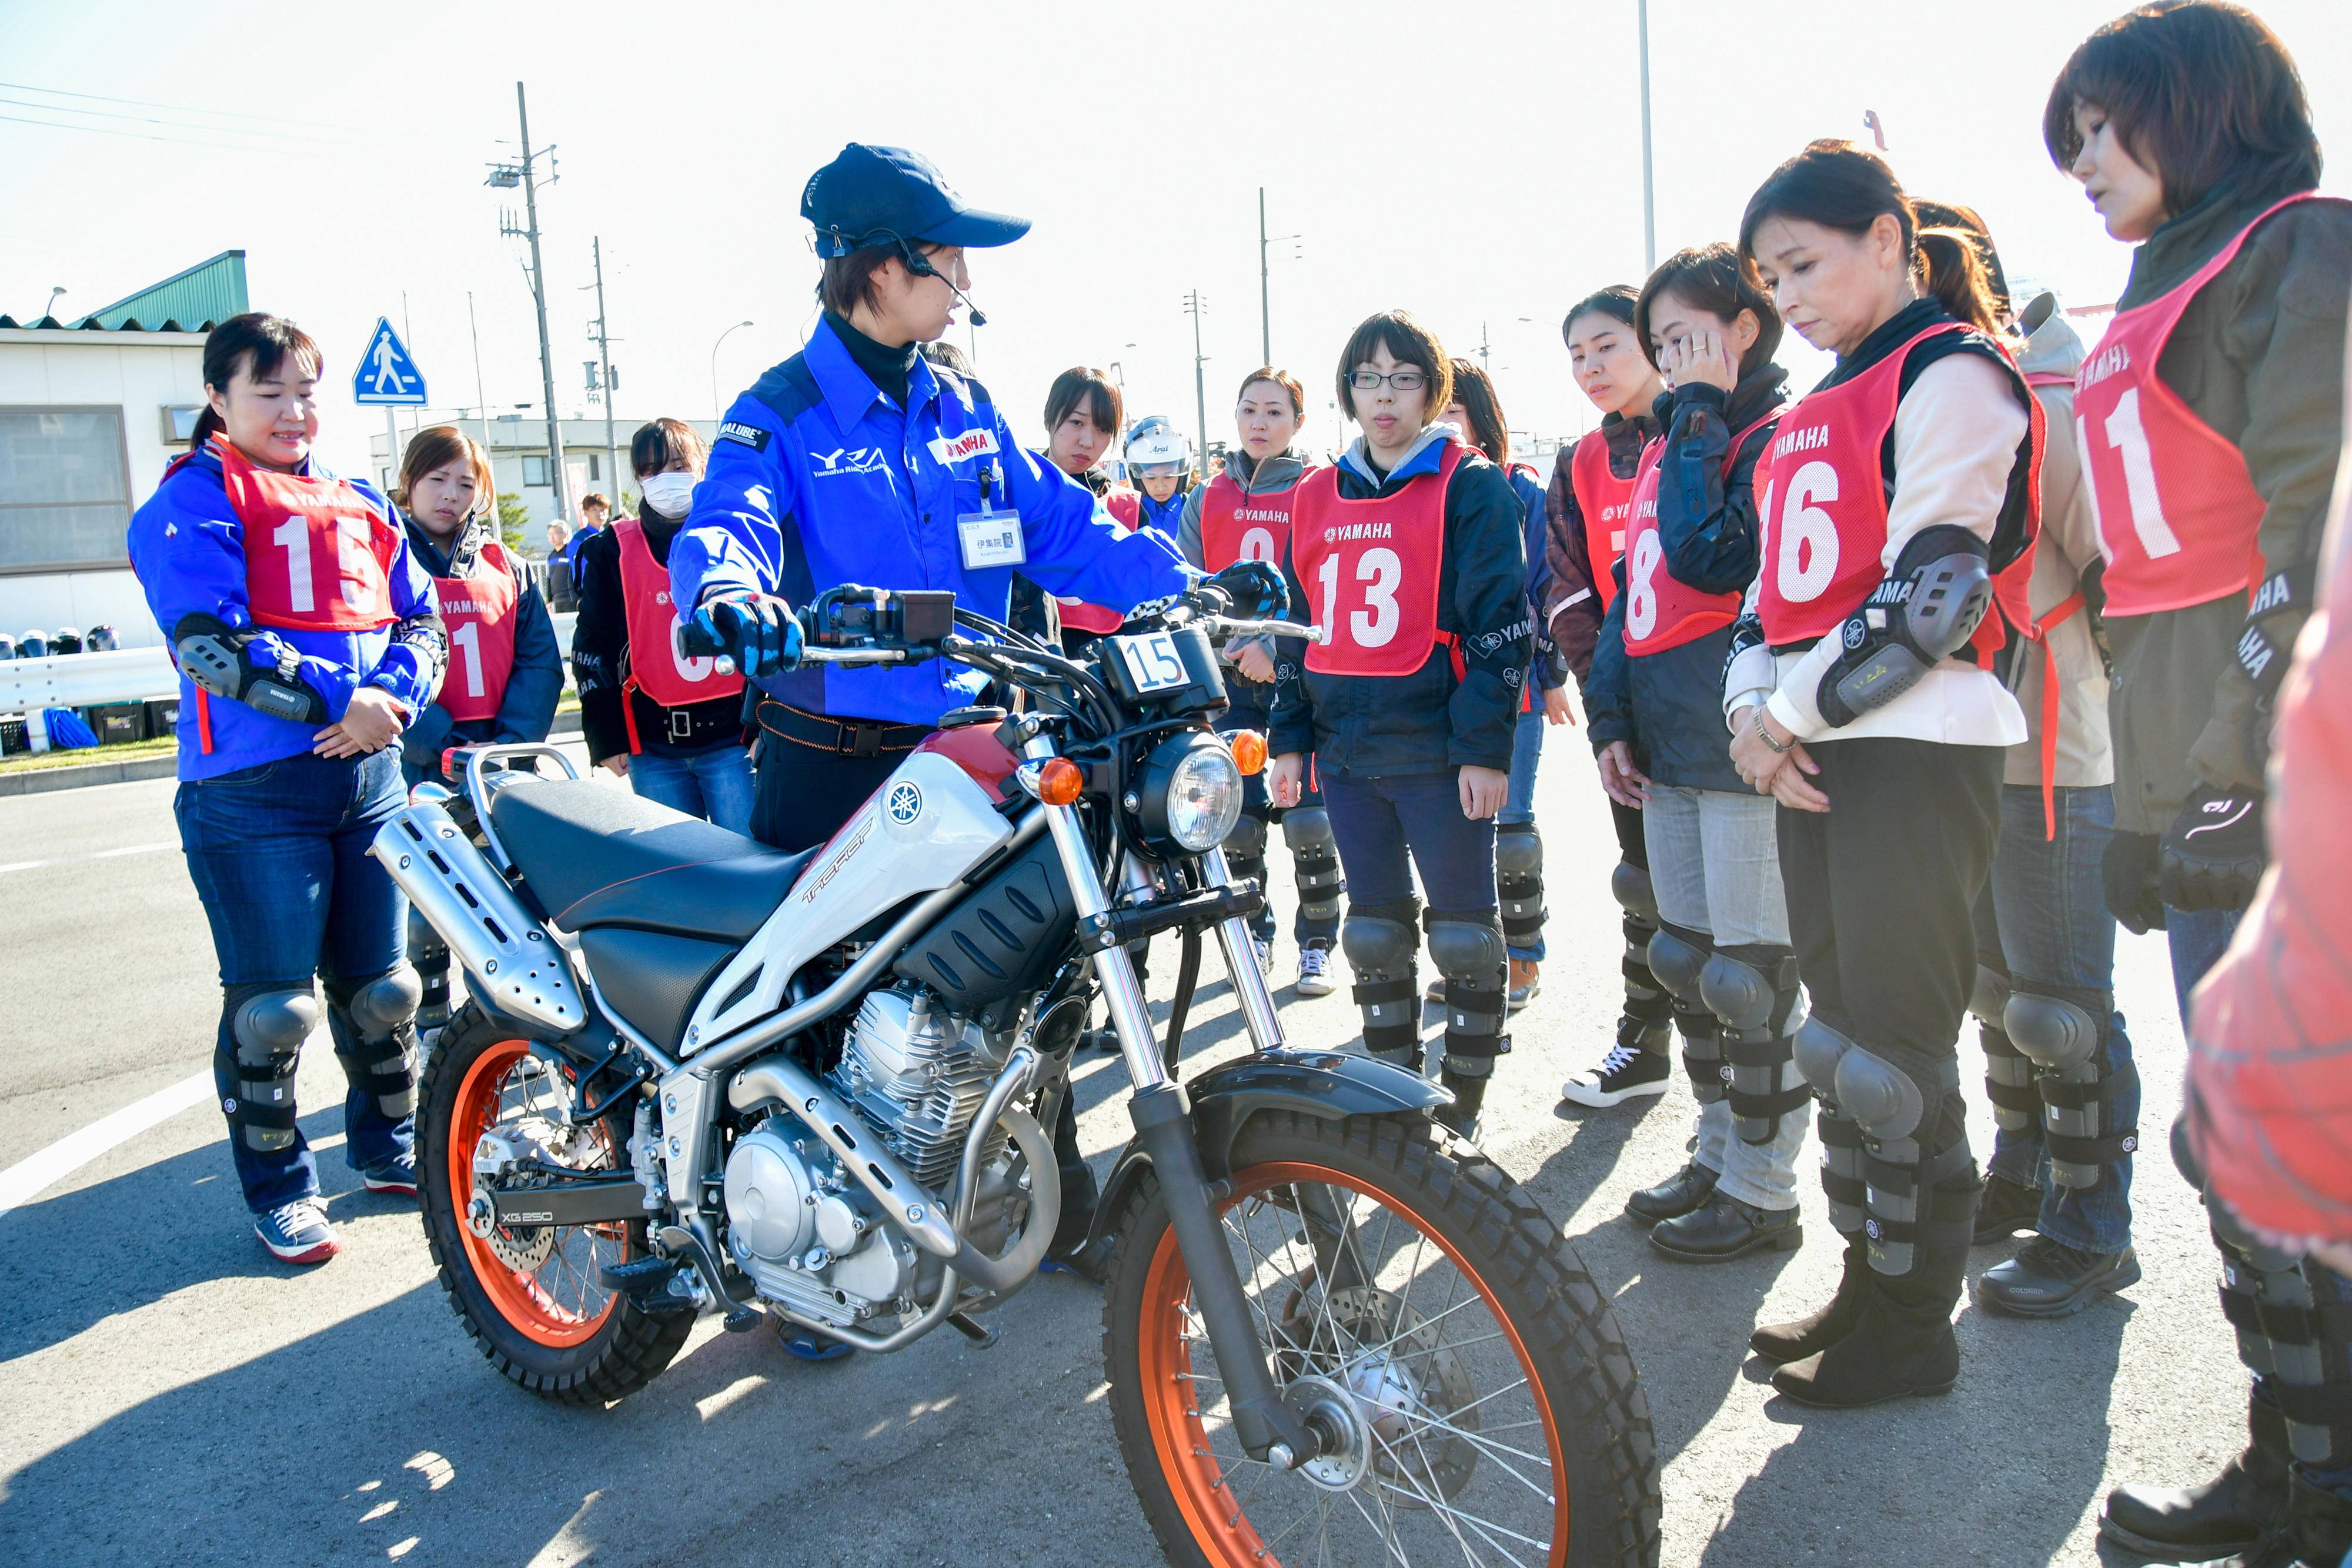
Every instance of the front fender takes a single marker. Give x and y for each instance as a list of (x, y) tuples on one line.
[(1330, 1085)]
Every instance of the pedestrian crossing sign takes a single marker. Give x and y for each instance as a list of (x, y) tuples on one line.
[(385, 373)]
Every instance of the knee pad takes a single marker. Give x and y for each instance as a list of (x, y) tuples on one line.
[(1470, 954), (1989, 997), (2067, 1039), (1917, 1194), (1703, 1064), (1382, 950), (1841, 1180), (1629, 885), (1754, 993), (1315, 861), (375, 1036), (1246, 844), (381, 1006), (1678, 957), (2009, 1081), (267, 1024), (1518, 881)]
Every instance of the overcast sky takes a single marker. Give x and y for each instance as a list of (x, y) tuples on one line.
[(1477, 165)]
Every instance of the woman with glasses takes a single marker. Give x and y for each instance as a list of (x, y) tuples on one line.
[(1409, 554)]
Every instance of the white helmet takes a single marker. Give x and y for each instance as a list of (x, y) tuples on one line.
[(1152, 442)]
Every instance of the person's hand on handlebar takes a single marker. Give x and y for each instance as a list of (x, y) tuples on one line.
[(758, 631), (1254, 588)]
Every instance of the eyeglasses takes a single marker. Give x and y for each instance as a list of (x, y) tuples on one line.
[(1401, 381)]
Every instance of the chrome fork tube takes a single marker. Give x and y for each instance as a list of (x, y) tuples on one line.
[(1128, 1015), (1241, 963)]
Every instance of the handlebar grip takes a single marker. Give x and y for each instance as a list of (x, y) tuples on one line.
[(691, 641)]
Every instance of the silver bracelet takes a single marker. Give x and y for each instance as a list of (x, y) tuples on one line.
[(1765, 735)]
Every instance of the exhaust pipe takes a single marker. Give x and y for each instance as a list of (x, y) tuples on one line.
[(505, 951)]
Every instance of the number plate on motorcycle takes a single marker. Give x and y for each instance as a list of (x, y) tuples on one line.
[(1152, 665)]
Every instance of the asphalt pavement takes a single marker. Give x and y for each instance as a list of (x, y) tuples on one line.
[(169, 1393)]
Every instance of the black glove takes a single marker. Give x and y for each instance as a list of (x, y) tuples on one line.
[(2129, 870), (1255, 589), (758, 631), (2212, 855)]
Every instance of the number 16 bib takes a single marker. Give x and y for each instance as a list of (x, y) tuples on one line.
[(1371, 570)]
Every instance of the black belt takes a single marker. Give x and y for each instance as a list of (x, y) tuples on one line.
[(1966, 653), (841, 737)]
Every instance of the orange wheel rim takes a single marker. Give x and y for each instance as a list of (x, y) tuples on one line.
[(520, 1295), (1203, 1489)]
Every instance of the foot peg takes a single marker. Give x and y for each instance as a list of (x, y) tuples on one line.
[(981, 1335), (646, 1281)]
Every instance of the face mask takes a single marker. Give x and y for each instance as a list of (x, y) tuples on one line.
[(670, 494)]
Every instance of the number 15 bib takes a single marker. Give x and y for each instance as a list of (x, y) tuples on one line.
[(317, 556), (1371, 570)]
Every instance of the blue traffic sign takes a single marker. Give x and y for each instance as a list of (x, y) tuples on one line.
[(386, 373)]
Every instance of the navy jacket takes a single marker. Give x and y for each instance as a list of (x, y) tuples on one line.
[(528, 709)]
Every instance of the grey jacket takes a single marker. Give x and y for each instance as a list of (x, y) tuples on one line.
[(1254, 479)]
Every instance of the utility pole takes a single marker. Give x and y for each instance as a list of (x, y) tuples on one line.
[(1200, 384), (1265, 307), (1649, 187), (605, 353), (506, 176), (1484, 362), (482, 407)]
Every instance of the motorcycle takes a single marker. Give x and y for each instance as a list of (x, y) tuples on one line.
[(691, 1073)]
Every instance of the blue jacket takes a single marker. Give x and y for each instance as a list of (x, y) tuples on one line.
[(188, 548), (1167, 515), (818, 479), (1549, 670), (533, 687)]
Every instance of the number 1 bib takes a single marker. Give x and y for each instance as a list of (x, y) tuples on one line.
[(1371, 570), (317, 556), (479, 611), (2179, 514)]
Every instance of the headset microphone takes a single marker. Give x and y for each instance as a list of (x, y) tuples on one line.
[(920, 265)]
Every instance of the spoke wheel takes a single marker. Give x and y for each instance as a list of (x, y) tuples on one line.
[(1420, 1310), (530, 1295)]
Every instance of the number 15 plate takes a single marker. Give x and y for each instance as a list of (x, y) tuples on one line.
[(1152, 665)]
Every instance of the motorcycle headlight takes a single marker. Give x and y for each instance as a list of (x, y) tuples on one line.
[(1194, 791)]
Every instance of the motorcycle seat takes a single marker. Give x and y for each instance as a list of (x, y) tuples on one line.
[(597, 856)]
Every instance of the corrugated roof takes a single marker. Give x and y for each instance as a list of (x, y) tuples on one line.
[(195, 301)]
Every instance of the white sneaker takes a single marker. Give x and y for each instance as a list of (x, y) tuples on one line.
[(1626, 1071), (1315, 976), (1263, 947), (296, 1232)]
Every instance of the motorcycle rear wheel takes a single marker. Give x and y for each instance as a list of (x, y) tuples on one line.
[(1496, 1414), (530, 1297)]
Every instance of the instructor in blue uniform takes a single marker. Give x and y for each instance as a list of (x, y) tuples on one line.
[(859, 461)]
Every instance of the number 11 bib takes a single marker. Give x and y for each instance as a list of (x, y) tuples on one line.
[(1371, 570)]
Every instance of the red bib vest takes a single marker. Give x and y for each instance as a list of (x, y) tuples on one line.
[(2179, 514), (1607, 503), (1823, 522), (1661, 613), (1370, 569), (317, 556), (1125, 504), (479, 611), (655, 666), (1236, 525)]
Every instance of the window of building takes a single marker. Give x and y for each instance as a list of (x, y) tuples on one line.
[(596, 466), (64, 489), (534, 469)]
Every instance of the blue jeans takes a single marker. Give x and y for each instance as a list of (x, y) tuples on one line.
[(1519, 803), (1380, 821), (2056, 930), (278, 855), (2197, 940), (714, 784)]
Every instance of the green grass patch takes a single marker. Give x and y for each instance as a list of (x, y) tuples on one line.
[(64, 756)]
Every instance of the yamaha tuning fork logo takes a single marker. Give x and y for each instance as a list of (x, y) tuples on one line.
[(905, 803)]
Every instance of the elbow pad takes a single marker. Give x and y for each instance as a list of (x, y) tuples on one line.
[(212, 653), (1927, 610), (429, 638)]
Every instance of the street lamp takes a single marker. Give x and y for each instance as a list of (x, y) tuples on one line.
[(717, 410), (51, 306)]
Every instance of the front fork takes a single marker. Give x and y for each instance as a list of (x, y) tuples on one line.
[(1268, 1430)]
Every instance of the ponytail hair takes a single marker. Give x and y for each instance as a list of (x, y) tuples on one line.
[(1720, 281), (257, 343), (1840, 187)]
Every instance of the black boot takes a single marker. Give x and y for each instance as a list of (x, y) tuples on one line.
[(1901, 1345), (1469, 1095), (1812, 1335), (2005, 1208), (2316, 1533), (2048, 1279), (2229, 1514), (1723, 1228), (1678, 1194)]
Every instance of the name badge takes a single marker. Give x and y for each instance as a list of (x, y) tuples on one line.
[(990, 539)]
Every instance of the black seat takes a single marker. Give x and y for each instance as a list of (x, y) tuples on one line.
[(599, 856)]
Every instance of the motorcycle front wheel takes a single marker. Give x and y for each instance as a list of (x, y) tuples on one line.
[(1416, 1301), (530, 1295)]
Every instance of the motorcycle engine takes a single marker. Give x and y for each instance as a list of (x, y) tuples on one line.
[(806, 1231), (918, 1074)]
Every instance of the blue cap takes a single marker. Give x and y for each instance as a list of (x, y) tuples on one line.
[(872, 195)]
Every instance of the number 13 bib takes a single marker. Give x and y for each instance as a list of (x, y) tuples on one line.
[(317, 556), (1371, 570)]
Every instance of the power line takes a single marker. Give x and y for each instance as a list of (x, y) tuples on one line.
[(174, 107), (141, 135), (150, 120)]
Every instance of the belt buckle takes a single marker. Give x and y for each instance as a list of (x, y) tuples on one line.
[(860, 739), (681, 724)]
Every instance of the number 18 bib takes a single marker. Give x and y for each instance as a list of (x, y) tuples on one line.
[(1371, 570), (317, 556)]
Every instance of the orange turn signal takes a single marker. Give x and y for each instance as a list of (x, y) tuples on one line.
[(1060, 781), (1249, 751)]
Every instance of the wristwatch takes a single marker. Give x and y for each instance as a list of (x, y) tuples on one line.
[(1765, 735)]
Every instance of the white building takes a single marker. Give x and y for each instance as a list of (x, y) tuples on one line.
[(518, 448), (89, 414)]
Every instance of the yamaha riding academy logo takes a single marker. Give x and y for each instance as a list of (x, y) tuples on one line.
[(905, 804)]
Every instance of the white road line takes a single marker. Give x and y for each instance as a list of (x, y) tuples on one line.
[(97, 855), (29, 1177)]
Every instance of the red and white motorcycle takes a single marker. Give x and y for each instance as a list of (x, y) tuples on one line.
[(691, 1073)]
